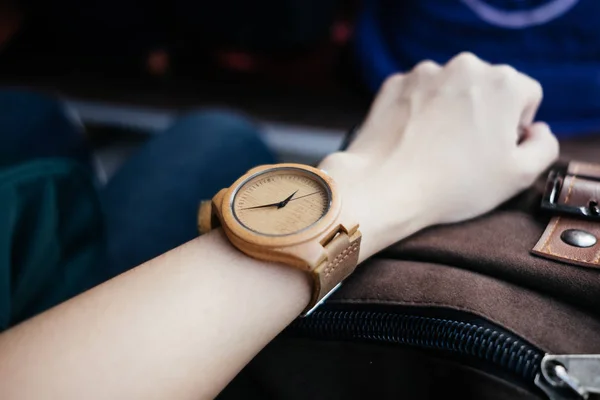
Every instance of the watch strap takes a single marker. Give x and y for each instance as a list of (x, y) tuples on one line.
[(342, 257)]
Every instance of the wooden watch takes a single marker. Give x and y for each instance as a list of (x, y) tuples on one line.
[(292, 214)]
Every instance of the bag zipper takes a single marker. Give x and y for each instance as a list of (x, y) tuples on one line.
[(463, 338), (463, 335)]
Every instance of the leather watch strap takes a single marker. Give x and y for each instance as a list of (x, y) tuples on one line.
[(575, 239), (342, 257)]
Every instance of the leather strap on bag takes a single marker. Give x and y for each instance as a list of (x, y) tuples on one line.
[(573, 235)]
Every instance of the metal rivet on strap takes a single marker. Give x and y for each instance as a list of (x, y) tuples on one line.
[(578, 238)]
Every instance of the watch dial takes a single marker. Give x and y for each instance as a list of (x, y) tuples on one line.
[(281, 201)]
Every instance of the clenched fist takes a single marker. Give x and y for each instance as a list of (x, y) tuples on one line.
[(442, 144)]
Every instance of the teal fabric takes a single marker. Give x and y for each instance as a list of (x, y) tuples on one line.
[(51, 236)]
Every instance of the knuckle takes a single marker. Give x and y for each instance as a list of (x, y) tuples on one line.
[(466, 59), (528, 86), (426, 67), (536, 88), (506, 72), (393, 82)]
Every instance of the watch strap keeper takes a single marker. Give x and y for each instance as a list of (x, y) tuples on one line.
[(342, 258)]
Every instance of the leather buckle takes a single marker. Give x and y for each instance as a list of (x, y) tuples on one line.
[(572, 235), (320, 302), (554, 183)]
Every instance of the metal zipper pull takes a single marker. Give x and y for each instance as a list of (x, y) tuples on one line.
[(571, 376)]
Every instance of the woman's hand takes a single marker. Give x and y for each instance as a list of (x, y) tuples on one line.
[(442, 144)]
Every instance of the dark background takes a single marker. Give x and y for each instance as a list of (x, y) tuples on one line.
[(284, 60)]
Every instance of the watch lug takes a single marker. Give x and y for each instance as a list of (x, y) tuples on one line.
[(209, 213), (217, 201), (348, 224), (349, 229)]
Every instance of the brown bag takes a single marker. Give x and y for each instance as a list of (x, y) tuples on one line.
[(463, 311)]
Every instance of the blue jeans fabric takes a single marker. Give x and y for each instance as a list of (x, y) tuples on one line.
[(36, 126), (150, 205)]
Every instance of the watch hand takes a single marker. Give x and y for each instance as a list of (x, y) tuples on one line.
[(284, 203), (306, 195), (263, 206), (279, 204)]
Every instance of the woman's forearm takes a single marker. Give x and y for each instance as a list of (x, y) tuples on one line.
[(180, 326)]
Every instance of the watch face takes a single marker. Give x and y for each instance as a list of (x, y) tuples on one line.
[(281, 201)]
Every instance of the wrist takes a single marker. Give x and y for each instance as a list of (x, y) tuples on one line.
[(293, 282), (382, 222)]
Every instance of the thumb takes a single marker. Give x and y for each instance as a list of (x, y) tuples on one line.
[(538, 149)]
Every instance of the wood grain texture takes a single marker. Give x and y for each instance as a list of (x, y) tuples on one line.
[(205, 216), (281, 202), (311, 232)]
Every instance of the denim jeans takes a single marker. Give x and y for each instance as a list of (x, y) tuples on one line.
[(150, 204)]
